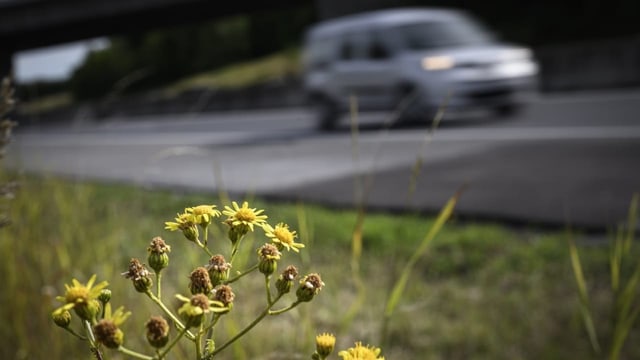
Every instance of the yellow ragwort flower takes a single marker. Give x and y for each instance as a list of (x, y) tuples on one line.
[(185, 222), (282, 236), (203, 214), (360, 352), (325, 343), (244, 215), (80, 295)]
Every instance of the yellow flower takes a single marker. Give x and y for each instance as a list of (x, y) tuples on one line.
[(282, 236), (203, 214), (186, 223), (244, 216), (82, 298), (183, 221), (360, 352), (324, 344)]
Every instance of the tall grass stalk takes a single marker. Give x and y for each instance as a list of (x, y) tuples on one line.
[(624, 290), (356, 234), (398, 289)]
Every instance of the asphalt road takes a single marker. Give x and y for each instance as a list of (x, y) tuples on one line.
[(570, 158)]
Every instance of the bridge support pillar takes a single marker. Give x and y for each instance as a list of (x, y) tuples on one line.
[(6, 63)]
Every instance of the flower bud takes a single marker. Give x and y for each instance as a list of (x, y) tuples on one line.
[(158, 261), (108, 333), (157, 331), (158, 254), (325, 344), (309, 287), (237, 231), (225, 295), (61, 318), (89, 310), (285, 280), (194, 309), (268, 267), (139, 275), (143, 284), (190, 232), (268, 256), (200, 282), (105, 296), (218, 270)]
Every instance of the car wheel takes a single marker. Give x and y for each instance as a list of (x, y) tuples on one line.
[(326, 113), (507, 111)]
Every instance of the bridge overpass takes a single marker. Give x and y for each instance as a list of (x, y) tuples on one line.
[(26, 24)]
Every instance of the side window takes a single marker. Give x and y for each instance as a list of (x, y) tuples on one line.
[(321, 53), (377, 50), (355, 46), (346, 50)]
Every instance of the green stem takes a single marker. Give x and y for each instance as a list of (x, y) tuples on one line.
[(234, 249), (280, 311), (267, 282), (199, 342), (134, 354), (76, 334), (255, 322), (159, 284), (209, 328), (204, 247), (178, 323), (172, 344), (92, 340), (249, 270), (198, 347), (205, 230)]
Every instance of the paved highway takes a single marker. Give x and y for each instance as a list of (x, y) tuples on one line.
[(570, 157)]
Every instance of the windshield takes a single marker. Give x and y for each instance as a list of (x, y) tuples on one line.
[(437, 34)]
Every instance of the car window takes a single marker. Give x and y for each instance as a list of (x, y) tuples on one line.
[(436, 34), (378, 47), (321, 52), (355, 46)]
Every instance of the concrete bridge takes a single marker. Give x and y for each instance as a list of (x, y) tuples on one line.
[(26, 24)]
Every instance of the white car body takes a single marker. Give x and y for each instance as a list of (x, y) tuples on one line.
[(428, 55)]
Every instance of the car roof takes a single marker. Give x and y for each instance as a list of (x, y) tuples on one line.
[(380, 18)]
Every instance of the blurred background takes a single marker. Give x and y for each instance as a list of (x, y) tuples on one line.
[(177, 47), (130, 111)]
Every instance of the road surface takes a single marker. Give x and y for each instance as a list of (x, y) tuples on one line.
[(569, 158)]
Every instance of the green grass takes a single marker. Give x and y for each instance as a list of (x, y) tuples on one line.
[(270, 68), (482, 291), (46, 103)]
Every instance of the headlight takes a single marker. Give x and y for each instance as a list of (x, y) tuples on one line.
[(437, 63), (516, 54)]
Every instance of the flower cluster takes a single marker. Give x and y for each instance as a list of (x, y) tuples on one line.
[(325, 343), (212, 295)]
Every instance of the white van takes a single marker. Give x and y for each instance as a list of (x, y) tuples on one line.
[(412, 60)]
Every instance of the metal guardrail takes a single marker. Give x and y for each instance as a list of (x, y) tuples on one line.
[(590, 64)]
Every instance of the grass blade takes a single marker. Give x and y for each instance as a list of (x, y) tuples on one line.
[(631, 222), (399, 287), (584, 296)]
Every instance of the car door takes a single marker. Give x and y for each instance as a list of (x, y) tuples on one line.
[(366, 69)]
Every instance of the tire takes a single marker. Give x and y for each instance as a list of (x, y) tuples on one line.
[(326, 113), (507, 111)]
